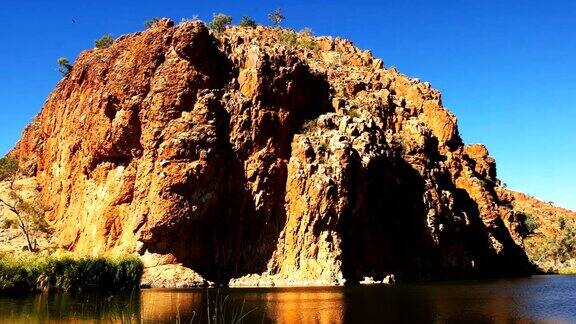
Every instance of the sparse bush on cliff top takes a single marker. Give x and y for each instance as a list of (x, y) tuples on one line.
[(289, 38), (276, 17), (151, 22), (219, 22), (64, 66), (307, 40), (34, 273), (104, 41), (304, 39), (247, 22)]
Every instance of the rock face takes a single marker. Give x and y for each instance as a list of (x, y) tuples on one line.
[(252, 159)]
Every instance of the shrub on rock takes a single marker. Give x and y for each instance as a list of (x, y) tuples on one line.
[(219, 23), (104, 41)]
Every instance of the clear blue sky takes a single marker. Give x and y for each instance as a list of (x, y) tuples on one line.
[(507, 69)]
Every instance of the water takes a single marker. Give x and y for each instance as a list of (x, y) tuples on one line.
[(547, 299)]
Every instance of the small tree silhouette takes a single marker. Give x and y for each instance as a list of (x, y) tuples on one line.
[(276, 17), (247, 22), (64, 66)]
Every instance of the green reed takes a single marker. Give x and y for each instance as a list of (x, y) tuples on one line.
[(67, 274)]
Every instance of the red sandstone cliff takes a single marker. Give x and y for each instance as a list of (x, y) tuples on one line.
[(246, 157)]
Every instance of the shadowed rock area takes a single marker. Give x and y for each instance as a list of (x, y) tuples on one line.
[(242, 158)]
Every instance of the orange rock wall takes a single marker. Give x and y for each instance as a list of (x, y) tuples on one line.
[(246, 158)]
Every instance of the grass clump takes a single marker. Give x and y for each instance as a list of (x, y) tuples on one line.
[(306, 39), (66, 274), (303, 39), (289, 38), (104, 41), (219, 22)]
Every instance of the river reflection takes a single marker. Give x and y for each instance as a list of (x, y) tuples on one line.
[(312, 305), (537, 299)]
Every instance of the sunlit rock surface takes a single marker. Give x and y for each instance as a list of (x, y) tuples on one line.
[(252, 160)]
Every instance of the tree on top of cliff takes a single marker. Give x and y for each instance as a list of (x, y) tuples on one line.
[(276, 17), (64, 66), (219, 22), (247, 22), (29, 212)]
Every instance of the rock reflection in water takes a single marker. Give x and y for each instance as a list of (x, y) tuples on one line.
[(536, 299), (311, 305), (172, 305), (298, 305)]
